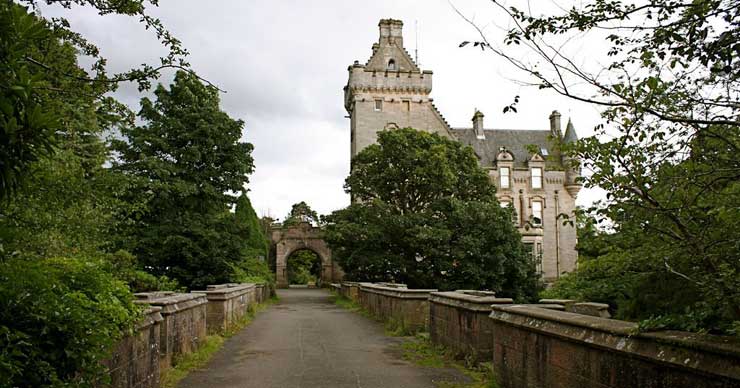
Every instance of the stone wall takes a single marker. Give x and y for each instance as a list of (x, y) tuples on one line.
[(174, 324), (459, 321), (399, 305), (228, 303), (135, 360), (536, 347), (183, 324), (351, 291)]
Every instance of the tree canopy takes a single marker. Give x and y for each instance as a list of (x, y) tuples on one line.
[(667, 85), (424, 213), (184, 161)]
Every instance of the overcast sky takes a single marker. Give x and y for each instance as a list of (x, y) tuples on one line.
[(283, 64)]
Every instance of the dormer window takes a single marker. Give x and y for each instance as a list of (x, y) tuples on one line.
[(392, 65), (536, 177)]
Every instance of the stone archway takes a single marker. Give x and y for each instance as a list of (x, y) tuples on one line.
[(286, 240)]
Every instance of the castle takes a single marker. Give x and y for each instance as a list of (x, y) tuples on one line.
[(390, 91)]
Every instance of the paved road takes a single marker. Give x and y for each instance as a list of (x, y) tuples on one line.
[(307, 341)]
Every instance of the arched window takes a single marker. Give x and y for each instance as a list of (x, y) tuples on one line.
[(392, 65)]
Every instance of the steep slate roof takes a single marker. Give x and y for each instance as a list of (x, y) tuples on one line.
[(570, 133), (515, 141)]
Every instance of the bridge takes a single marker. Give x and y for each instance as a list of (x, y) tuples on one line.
[(306, 340)]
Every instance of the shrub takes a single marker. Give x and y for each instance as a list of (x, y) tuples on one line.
[(59, 319)]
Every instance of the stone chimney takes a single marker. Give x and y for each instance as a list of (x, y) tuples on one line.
[(391, 32), (555, 125), (478, 125)]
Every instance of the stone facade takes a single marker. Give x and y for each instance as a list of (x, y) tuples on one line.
[(459, 321), (390, 91), (541, 348), (287, 240)]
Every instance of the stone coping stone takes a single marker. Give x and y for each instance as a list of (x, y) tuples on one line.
[(709, 354), (226, 291), (351, 284), (152, 316), (557, 301), (392, 285), (467, 301), (589, 308), (171, 302), (546, 306), (401, 293)]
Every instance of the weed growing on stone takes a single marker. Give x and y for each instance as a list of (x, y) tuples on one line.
[(185, 364), (420, 350)]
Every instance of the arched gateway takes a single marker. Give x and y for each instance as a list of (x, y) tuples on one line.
[(287, 240)]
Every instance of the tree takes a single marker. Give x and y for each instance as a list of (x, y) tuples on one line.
[(301, 212), (426, 214), (33, 80), (666, 152), (184, 162), (253, 265)]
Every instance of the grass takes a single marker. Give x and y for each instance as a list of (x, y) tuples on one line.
[(420, 350), (184, 364)]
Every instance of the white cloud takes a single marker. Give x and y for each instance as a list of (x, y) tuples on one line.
[(284, 63)]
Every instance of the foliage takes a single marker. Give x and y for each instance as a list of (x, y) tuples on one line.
[(184, 161), (256, 244), (34, 81), (425, 214), (125, 267), (304, 266), (58, 319), (301, 212), (666, 151)]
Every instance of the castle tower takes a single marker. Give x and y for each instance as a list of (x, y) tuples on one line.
[(389, 92)]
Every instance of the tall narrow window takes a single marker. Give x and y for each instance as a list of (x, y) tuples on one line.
[(504, 176), (378, 105), (406, 105), (538, 257), (537, 213), (536, 178), (391, 65)]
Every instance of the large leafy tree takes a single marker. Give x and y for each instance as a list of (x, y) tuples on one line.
[(185, 161), (667, 84), (424, 213)]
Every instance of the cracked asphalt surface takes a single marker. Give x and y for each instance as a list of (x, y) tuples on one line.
[(307, 341)]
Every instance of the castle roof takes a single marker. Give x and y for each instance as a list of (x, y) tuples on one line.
[(514, 140), (570, 133)]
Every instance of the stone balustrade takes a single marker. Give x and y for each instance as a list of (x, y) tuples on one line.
[(351, 291), (228, 303), (135, 359), (175, 324), (459, 321), (408, 308), (183, 324), (541, 348)]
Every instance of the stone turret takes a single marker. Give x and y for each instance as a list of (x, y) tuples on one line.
[(389, 91), (572, 165), (478, 125)]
